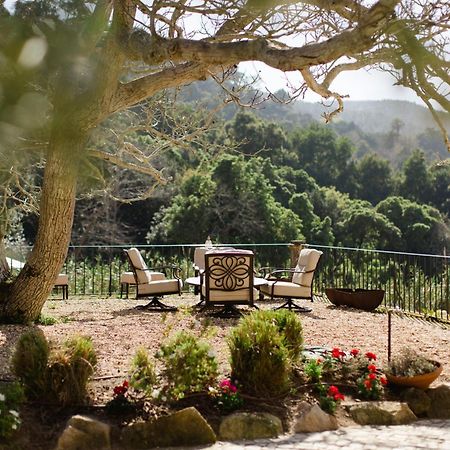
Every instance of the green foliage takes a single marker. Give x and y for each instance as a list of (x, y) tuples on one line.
[(263, 348), (46, 320), (58, 376), (69, 370), (189, 365), (313, 370), (235, 203), (143, 376), (11, 397), (30, 362)]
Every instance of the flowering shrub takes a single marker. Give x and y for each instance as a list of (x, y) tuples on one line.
[(10, 399), (339, 366), (121, 402), (227, 396), (370, 385), (330, 398)]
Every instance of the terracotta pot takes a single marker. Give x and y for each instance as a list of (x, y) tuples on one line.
[(418, 381), (366, 299)]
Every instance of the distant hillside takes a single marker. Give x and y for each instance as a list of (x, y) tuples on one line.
[(369, 116)]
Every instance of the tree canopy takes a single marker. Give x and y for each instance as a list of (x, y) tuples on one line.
[(68, 65)]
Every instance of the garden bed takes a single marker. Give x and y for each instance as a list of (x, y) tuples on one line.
[(118, 330)]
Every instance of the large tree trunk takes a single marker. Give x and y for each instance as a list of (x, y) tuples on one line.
[(30, 290), (4, 268)]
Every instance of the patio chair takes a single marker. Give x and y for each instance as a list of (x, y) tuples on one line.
[(62, 281), (298, 286), (151, 284), (228, 280)]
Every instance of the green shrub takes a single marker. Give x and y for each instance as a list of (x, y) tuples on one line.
[(30, 362), (69, 370), (143, 376), (263, 347), (189, 365), (11, 397), (46, 320), (58, 376), (291, 330)]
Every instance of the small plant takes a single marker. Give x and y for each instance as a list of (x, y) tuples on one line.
[(329, 398), (189, 365), (313, 370), (69, 370), (30, 362), (409, 363), (120, 403), (46, 320), (11, 398), (226, 396), (143, 376), (259, 357), (370, 385), (58, 376)]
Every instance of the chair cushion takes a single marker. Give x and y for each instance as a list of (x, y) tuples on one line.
[(160, 287), (307, 260), (143, 275), (62, 279), (286, 289), (230, 296), (127, 277)]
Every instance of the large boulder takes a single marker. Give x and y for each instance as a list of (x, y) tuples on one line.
[(240, 426), (381, 413), (183, 428), (311, 418), (418, 401), (83, 432), (440, 402)]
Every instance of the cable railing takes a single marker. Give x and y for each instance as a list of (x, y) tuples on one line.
[(417, 283)]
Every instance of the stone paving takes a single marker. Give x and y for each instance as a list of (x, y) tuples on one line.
[(424, 434)]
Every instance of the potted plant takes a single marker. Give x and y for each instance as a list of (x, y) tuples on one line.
[(412, 370)]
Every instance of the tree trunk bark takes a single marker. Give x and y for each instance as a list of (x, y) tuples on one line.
[(30, 290), (4, 268)]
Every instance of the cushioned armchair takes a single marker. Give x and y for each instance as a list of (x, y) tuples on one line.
[(151, 284), (228, 280), (298, 284)]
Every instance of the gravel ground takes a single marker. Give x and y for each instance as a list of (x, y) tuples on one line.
[(118, 329)]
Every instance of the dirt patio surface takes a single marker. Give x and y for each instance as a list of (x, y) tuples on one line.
[(118, 329)]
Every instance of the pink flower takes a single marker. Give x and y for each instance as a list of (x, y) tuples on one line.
[(225, 383)]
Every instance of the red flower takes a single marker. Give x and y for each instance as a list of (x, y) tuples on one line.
[(125, 384), (371, 368), (225, 383), (370, 355), (119, 390), (337, 353), (338, 397), (368, 384), (354, 352), (383, 380), (372, 376), (333, 390)]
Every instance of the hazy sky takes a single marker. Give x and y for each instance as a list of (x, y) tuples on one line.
[(359, 85)]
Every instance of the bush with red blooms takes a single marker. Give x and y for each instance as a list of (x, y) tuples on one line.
[(121, 402), (372, 383), (329, 398)]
